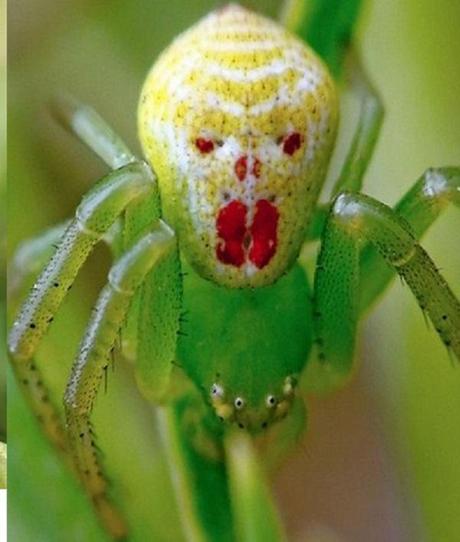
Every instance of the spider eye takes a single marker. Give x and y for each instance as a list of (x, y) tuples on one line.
[(239, 403), (217, 391), (204, 145), (271, 401), (291, 143)]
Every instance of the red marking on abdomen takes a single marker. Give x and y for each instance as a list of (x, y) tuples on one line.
[(204, 145), (263, 232), (241, 167), (231, 228), (256, 167), (240, 242), (291, 143)]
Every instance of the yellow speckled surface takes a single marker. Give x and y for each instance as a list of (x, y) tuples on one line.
[(241, 82)]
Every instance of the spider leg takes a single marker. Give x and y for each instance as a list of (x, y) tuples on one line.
[(317, 222), (366, 134), (94, 216), (34, 253), (421, 206), (355, 218), (361, 149), (110, 312), (90, 128)]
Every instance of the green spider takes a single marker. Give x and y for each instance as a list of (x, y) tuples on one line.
[(238, 135)]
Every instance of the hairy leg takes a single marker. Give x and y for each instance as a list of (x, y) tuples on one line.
[(94, 216), (108, 316), (34, 253), (355, 218), (421, 206)]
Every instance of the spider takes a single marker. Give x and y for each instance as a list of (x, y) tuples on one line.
[(237, 135)]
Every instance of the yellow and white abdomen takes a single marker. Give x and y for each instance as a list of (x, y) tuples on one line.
[(238, 119)]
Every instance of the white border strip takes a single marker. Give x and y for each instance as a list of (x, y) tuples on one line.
[(3, 515)]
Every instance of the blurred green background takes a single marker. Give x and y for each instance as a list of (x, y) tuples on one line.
[(380, 461), (2, 218)]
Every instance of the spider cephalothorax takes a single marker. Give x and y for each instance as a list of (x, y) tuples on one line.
[(261, 363), (238, 118)]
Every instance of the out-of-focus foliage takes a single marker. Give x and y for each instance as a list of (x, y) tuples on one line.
[(414, 62), (2, 218), (394, 476)]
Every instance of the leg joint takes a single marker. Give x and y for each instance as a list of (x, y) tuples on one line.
[(347, 210), (441, 184)]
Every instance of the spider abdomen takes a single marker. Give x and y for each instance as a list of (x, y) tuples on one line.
[(238, 119)]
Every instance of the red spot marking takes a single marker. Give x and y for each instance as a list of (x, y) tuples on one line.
[(263, 232), (241, 167), (231, 228), (291, 143), (256, 167), (238, 242), (204, 145)]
